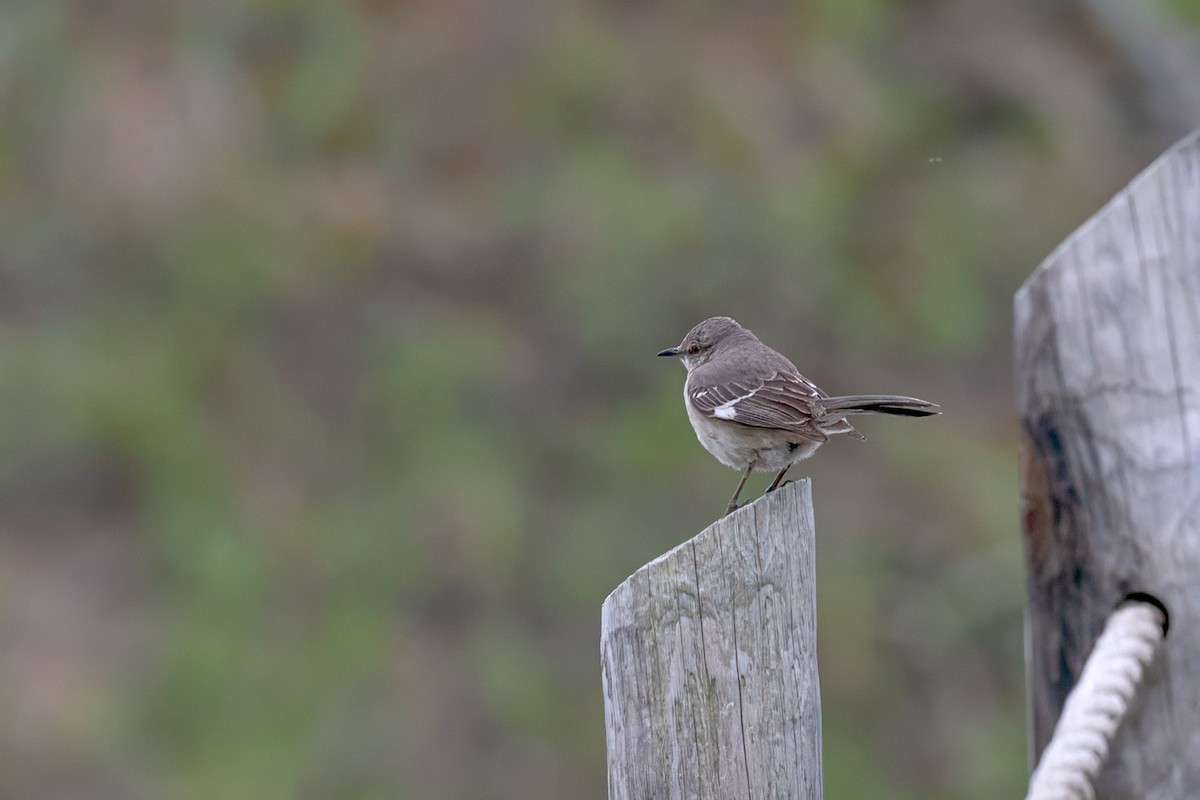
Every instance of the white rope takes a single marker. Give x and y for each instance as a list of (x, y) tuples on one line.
[(1095, 707)]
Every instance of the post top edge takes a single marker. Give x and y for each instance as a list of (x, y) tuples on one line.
[(800, 487), (1150, 172)]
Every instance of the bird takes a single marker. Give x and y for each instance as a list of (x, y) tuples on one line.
[(753, 410)]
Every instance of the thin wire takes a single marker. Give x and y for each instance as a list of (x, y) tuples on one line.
[(1095, 707)]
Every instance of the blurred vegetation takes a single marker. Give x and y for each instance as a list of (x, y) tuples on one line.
[(331, 412)]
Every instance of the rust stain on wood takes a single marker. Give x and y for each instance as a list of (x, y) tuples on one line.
[(1037, 508)]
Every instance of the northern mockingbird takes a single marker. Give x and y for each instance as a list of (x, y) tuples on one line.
[(753, 410)]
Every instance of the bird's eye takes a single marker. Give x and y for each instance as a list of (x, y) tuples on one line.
[(693, 348)]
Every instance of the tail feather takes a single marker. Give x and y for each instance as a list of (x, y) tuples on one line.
[(880, 404)]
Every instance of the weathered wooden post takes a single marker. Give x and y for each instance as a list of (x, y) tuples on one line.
[(709, 662), (1108, 383)]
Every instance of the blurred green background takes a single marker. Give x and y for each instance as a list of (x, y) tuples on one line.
[(331, 412)]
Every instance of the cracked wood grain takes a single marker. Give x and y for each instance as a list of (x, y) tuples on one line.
[(709, 662), (1107, 353)]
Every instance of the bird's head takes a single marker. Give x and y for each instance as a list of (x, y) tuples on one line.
[(705, 340)]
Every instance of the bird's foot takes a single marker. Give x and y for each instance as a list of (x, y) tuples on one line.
[(732, 507), (780, 486)]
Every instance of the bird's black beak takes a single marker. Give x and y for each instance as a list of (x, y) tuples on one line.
[(671, 351)]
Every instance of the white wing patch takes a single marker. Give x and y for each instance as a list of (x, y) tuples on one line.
[(729, 410)]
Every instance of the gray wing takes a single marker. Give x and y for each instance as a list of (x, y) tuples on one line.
[(784, 401)]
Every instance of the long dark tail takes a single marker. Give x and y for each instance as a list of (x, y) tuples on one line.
[(880, 404)]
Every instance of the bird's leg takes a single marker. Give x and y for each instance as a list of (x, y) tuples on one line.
[(736, 492), (775, 483)]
